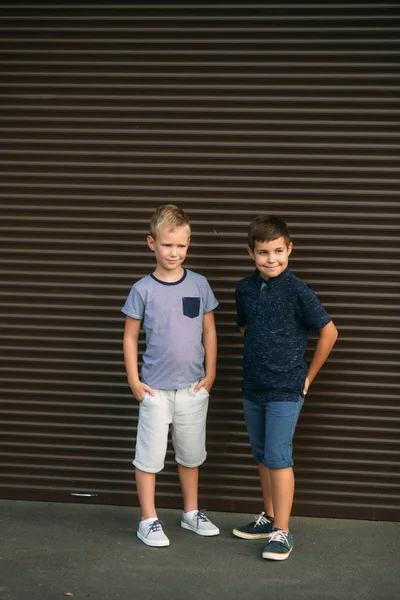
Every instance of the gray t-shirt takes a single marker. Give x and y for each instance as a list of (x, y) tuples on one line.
[(172, 315)]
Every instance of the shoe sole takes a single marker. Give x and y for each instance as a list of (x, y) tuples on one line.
[(276, 555), (209, 533), (250, 536), (153, 544)]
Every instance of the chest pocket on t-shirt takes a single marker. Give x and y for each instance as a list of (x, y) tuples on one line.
[(191, 307)]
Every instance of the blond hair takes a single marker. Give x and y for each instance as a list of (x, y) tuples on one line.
[(170, 216)]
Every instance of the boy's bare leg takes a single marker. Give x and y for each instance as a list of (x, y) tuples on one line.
[(266, 487), (189, 478), (146, 489), (282, 481)]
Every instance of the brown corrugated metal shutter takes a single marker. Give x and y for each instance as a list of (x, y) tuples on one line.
[(229, 110)]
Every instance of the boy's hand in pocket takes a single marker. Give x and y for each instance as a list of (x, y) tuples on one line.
[(206, 383), (139, 390)]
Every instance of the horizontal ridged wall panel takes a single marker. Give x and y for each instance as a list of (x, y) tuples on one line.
[(228, 110)]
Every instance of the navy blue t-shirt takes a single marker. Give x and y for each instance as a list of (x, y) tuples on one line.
[(278, 314)]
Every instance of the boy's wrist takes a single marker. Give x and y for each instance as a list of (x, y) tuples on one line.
[(210, 376)]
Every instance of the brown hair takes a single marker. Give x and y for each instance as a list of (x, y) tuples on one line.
[(266, 228)]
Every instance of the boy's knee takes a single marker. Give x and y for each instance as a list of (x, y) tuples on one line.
[(147, 466), (276, 463)]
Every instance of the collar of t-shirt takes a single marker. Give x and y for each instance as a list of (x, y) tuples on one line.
[(169, 282), (272, 282)]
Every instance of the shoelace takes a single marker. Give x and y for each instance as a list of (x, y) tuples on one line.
[(261, 520), (279, 536), (156, 526), (201, 516)]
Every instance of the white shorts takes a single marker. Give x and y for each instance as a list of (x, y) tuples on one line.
[(186, 411)]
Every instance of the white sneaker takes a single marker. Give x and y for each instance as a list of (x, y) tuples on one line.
[(152, 534), (200, 524)]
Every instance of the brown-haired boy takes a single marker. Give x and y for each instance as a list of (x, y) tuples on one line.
[(275, 312)]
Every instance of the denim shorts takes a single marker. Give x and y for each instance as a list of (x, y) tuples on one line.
[(271, 427), (184, 411)]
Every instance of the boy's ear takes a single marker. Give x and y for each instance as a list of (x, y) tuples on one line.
[(251, 253), (289, 249), (150, 242)]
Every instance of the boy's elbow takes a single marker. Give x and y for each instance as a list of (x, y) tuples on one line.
[(333, 332), (329, 332)]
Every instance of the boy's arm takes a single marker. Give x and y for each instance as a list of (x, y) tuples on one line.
[(327, 337), (131, 340), (240, 313), (210, 347)]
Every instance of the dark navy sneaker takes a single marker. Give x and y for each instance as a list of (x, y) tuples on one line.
[(279, 546), (261, 527)]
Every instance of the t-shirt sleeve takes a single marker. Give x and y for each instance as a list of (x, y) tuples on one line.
[(240, 312), (134, 305), (311, 311), (209, 300)]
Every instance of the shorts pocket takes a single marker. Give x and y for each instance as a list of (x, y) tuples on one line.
[(191, 307), (203, 391), (146, 396), (149, 399)]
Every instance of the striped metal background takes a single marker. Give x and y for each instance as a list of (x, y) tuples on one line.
[(229, 110)]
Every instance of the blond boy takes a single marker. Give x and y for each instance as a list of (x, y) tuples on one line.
[(175, 307)]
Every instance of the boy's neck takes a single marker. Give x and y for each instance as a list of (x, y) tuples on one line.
[(169, 276)]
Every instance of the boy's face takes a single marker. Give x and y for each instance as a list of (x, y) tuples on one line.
[(271, 258), (170, 247)]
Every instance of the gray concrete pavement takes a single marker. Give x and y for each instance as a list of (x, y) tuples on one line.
[(92, 552)]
